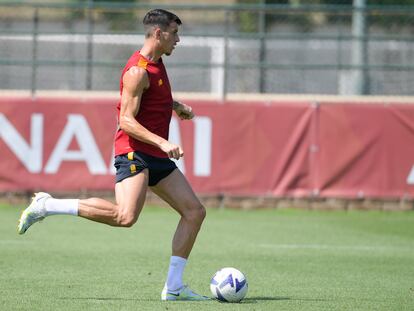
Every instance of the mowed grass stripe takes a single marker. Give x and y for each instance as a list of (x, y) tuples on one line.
[(293, 259)]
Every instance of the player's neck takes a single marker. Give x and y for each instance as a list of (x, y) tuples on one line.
[(150, 52)]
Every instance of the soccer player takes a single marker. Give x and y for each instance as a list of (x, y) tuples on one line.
[(143, 155)]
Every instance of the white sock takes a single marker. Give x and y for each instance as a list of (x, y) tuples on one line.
[(61, 207), (175, 273)]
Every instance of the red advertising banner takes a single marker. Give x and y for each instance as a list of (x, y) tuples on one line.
[(56, 144), (366, 150), (279, 149)]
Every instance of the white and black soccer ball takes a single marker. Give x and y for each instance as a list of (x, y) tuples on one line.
[(229, 285)]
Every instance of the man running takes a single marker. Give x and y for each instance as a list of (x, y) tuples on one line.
[(142, 155)]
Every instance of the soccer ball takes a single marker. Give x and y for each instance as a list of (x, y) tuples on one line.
[(229, 285)]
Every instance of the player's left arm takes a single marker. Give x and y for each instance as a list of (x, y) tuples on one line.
[(183, 111)]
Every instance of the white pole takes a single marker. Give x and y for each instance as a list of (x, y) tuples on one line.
[(359, 56)]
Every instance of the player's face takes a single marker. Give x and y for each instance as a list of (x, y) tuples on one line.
[(169, 38)]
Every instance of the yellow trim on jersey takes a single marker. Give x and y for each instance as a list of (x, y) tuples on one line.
[(130, 156), (142, 63), (160, 82)]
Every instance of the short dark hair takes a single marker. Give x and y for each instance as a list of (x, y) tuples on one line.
[(159, 17)]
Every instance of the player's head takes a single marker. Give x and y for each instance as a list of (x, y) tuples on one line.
[(163, 26)]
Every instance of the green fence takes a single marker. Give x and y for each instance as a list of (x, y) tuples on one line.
[(302, 49)]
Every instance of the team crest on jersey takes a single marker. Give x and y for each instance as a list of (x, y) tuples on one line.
[(160, 82)]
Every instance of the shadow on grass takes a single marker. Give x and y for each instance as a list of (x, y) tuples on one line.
[(262, 298), (105, 299), (248, 300)]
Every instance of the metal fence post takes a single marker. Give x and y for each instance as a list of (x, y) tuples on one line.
[(225, 62), (34, 51), (262, 50), (89, 51), (359, 48), (339, 56)]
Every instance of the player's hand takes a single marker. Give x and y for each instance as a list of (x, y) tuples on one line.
[(183, 111), (173, 151)]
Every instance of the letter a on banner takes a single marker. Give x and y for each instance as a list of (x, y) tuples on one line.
[(77, 127)]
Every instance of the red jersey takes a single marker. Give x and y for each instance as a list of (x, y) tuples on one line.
[(155, 108)]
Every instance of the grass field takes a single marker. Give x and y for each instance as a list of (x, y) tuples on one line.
[(293, 260)]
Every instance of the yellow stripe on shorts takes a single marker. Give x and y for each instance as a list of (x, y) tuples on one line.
[(130, 156), (133, 168)]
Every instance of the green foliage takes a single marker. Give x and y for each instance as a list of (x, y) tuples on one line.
[(307, 20), (248, 21), (341, 2), (118, 18)]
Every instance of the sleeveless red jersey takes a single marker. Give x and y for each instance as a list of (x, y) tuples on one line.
[(155, 108)]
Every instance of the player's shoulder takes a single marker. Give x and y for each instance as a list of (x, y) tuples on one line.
[(142, 62), (136, 73), (136, 78)]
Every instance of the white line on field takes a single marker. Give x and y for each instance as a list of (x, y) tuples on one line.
[(13, 242), (336, 247)]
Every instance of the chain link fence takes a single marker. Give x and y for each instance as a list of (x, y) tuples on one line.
[(245, 48)]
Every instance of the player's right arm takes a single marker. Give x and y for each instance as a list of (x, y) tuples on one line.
[(135, 82)]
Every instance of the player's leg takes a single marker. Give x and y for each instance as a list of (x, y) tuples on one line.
[(130, 196), (176, 191)]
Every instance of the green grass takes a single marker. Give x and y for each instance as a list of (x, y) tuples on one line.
[(293, 260)]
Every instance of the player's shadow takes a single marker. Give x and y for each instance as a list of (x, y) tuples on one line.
[(247, 300), (104, 298), (257, 299)]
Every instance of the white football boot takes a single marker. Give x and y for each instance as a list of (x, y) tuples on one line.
[(34, 213), (184, 293)]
